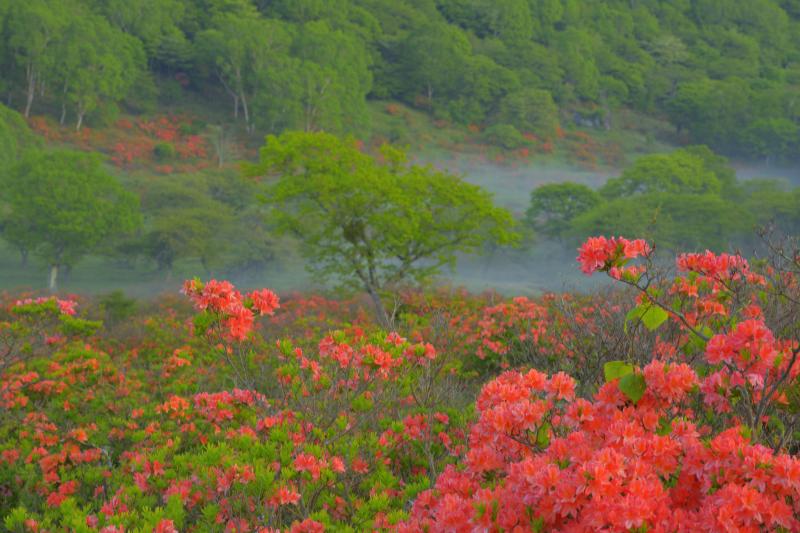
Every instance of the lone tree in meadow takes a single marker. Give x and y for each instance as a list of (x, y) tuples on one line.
[(555, 205), (63, 205), (373, 222)]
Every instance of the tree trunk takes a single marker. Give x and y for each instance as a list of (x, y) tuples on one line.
[(246, 112), (53, 278), (31, 90), (219, 144), (64, 104), (81, 113), (380, 311), (23, 253)]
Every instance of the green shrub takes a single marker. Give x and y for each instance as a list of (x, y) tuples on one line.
[(164, 151), (117, 306), (504, 135)]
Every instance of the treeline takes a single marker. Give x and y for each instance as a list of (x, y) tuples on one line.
[(725, 72), (687, 199), (62, 205)]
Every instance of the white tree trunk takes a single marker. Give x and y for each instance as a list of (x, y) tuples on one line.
[(53, 278), (31, 75), (81, 113)]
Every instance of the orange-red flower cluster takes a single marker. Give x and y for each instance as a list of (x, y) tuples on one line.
[(233, 311), (540, 459), (65, 307), (610, 254)]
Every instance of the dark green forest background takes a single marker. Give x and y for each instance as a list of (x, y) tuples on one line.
[(725, 71), (719, 77)]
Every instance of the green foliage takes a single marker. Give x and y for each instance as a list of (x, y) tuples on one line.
[(117, 306), (373, 222), (616, 369), (15, 138), (505, 135), (772, 202), (530, 110), (63, 205), (675, 220), (554, 206), (164, 151), (652, 316), (772, 138), (631, 384), (332, 79), (679, 172), (239, 50), (183, 219), (95, 63), (685, 199), (723, 72)]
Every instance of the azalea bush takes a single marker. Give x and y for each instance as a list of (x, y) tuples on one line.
[(33, 323), (696, 439), (224, 429), (668, 402)]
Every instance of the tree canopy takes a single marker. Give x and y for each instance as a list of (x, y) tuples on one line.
[(62, 205), (373, 222), (554, 206), (15, 138), (688, 198), (725, 73)]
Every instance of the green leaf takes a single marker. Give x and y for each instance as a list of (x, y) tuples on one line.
[(202, 321), (633, 386), (543, 436), (633, 314), (616, 369), (653, 317)]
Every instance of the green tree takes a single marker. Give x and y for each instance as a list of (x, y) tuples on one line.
[(554, 206), (772, 202), (184, 219), (154, 22), (772, 138), (510, 21), (504, 135), (530, 110), (576, 49), (15, 138), (187, 232), (482, 84), (675, 221), (96, 63), (334, 78), (303, 11), (241, 50), (714, 111), (717, 164), (678, 172), (32, 29), (373, 222), (430, 56), (63, 205)]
